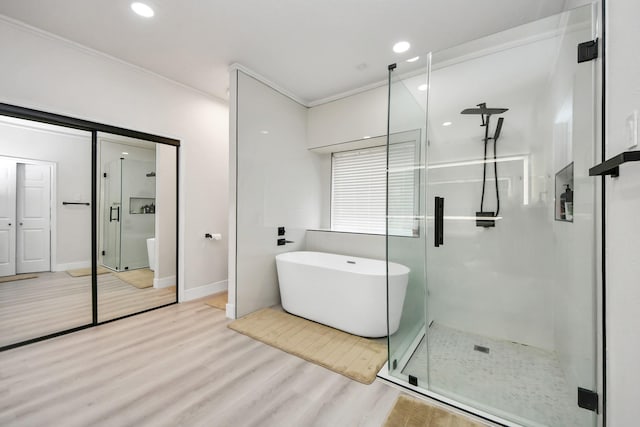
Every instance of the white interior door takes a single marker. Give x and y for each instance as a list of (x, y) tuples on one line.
[(33, 246), (7, 217)]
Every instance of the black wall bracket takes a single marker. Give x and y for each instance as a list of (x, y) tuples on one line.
[(587, 51), (612, 166), (588, 399)]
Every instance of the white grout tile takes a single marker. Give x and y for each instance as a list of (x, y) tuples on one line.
[(514, 378)]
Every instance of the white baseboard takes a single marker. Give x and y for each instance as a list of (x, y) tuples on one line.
[(203, 291), (164, 282), (231, 311), (72, 266)]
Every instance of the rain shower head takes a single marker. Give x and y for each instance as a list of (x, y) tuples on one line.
[(482, 109)]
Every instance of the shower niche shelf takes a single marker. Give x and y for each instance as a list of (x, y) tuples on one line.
[(142, 205), (564, 194)]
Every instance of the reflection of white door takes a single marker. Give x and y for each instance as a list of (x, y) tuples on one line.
[(33, 214), (7, 218)]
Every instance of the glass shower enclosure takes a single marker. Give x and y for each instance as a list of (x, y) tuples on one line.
[(500, 312), (129, 213)]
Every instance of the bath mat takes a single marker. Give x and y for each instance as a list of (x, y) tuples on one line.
[(411, 412), (141, 278), (80, 272), (218, 300), (354, 357), (17, 277)]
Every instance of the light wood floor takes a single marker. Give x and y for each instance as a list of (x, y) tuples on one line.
[(53, 302), (179, 365)]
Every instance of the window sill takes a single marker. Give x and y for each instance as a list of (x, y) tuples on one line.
[(326, 230)]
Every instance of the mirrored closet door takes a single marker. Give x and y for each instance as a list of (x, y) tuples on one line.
[(137, 225), (45, 229), (88, 224)]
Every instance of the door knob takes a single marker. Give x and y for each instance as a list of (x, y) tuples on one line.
[(20, 223), (9, 224)]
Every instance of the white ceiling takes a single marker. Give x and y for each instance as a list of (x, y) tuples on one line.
[(312, 49)]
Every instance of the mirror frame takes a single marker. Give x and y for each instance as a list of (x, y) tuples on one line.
[(18, 112)]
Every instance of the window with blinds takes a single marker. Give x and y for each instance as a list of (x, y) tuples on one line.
[(358, 190)]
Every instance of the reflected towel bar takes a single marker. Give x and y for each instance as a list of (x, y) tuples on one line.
[(611, 166), (77, 203)]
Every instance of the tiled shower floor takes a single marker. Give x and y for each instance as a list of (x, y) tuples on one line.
[(514, 378)]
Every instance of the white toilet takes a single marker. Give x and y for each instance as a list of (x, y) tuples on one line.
[(151, 251)]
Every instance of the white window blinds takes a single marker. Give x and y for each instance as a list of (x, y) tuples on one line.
[(358, 190)]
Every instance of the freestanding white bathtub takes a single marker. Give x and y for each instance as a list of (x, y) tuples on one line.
[(343, 292)]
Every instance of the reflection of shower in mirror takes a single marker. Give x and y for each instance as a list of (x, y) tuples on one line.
[(129, 208)]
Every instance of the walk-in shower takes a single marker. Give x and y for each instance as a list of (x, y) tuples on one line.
[(499, 318)]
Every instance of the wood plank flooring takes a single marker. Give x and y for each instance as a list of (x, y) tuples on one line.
[(179, 365), (53, 302)]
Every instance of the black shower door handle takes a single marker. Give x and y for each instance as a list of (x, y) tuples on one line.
[(117, 219), (438, 212)]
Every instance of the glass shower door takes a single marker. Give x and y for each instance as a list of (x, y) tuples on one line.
[(406, 230), (138, 212), (506, 311), (112, 214)]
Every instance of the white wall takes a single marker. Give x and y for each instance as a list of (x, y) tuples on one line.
[(70, 151), (348, 119), (40, 71), (278, 184), (354, 244)]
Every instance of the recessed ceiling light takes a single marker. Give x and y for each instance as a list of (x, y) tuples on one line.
[(142, 9), (264, 132), (414, 59), (423, 87), (124, 153), (401, 47), (366, 137), (446, 124)]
